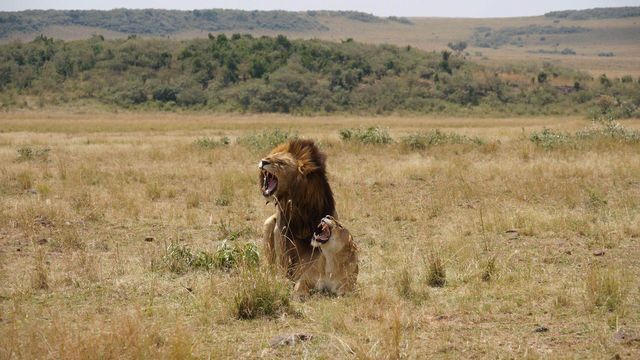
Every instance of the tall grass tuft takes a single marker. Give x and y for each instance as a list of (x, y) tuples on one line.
[(436, 274), (261, 294), (40, 274), (604, 289), (406, 287)]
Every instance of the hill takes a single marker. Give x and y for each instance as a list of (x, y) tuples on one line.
[(604, 42), (597, 13), (275, 74), (157, 22)]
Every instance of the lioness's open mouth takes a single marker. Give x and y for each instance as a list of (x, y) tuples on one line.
[(269, 183), (323, 233)]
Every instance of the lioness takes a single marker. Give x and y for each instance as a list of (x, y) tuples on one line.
[(336, 270)]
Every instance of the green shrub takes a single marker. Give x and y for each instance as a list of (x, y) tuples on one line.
[(266, 140), (133, 95), (191, 96), (165, 94), (371, 135), (606, 127)]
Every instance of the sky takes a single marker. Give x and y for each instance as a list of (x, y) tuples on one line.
[(439, 8)]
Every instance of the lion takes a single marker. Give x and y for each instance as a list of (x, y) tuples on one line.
[(294, 177), (336, 270)]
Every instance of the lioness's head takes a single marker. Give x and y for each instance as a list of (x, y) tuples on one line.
[(288, 166), (330, 235)]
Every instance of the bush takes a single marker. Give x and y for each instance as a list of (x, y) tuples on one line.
[(266, 140), (165, 94), (436, 137), (131, 96), (191, 96), (261, 294), (371, 135), (606, 54), (607, 128), (549, 139), (604, 128)]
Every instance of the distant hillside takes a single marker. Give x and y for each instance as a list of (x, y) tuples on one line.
[(597, 13), (274, 74), (164, 22), (598, 46)]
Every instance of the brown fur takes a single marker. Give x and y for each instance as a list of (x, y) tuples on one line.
[(336, 270), (302, 199)]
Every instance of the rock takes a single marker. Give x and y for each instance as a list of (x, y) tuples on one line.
[(289, 339), (512, 234), (625, 336), (541, 329), (43, 221), (598, 253)]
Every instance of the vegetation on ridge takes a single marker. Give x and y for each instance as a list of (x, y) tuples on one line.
[(274, 74)]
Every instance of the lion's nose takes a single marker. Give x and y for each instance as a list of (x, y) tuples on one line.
[(262, 163)]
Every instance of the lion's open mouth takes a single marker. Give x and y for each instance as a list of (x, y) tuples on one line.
[(323, 233), (269, 183)]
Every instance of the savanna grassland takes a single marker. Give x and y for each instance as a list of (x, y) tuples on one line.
[(134, 235)]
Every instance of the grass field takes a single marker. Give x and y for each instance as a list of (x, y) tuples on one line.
[(537, 246)]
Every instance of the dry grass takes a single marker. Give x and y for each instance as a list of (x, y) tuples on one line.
[(83, 230)]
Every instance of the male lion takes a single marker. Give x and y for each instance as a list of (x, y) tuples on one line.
[(336, 270), (294, 176)]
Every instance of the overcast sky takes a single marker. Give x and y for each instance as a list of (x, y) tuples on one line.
[(446, 8)]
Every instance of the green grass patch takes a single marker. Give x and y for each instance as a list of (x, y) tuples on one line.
[(206, 143), (180, 259), (266, 140), (437, 137)]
